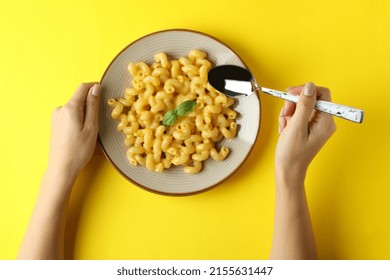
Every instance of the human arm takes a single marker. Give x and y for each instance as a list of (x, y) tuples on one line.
[(74, 129), (303, 132)]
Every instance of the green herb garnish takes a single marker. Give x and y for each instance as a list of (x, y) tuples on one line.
[(181, 110), (169, 118), (185, 107)]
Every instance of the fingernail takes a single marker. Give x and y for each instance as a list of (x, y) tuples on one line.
[(96, 90), (280, 129), (308, 89)]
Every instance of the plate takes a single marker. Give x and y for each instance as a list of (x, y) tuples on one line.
[(175, 43)]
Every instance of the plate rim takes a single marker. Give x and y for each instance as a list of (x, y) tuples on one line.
[(191, 192)]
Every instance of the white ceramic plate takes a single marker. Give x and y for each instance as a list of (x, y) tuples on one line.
[(174, 181)]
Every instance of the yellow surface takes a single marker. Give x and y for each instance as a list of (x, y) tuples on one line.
[(48, 47)]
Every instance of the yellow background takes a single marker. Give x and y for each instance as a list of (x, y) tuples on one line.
[(48, 47)]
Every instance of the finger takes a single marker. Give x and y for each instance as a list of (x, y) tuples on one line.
[(306, 103), (289, 107), (281, 121), (323, 93), (92, 107), (296, 90), (81, 93)]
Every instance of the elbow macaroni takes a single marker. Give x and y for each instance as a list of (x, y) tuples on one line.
[(161, 87)]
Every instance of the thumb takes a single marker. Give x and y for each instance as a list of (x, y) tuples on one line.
[(306, 103), (92, 107)]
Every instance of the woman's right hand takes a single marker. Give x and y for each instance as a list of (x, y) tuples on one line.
[(303, 131)]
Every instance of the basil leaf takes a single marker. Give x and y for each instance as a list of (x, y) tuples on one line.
[(185, 107), (169, 118), (181, 110)]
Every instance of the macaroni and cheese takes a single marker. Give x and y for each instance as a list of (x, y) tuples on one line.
[(160, 87)]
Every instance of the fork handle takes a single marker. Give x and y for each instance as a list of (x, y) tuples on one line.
[(338, 110)]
